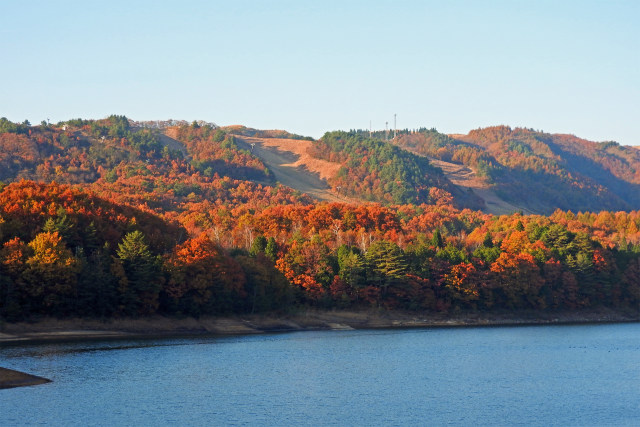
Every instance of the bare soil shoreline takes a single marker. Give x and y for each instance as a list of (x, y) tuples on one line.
[(10, 379), (55, 330), (50, 329)]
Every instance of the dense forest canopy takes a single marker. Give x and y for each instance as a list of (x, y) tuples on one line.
[(103, 218)]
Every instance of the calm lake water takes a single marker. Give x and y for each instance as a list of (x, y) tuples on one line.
[(546, 375)]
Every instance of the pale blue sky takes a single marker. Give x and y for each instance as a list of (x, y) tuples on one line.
[(309, 67)]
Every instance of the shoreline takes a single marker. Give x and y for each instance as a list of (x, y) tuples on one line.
[(50, 330), (10, 378), (56, 330)]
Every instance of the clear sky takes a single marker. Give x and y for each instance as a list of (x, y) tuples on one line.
[(561, 66)]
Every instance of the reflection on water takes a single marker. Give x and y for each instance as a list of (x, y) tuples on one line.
[(550, 375)]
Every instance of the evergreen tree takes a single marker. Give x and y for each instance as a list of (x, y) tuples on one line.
[(452, 254), (90, 239), (258, 246), (351, 267), (436, 239), (9, 303), (386, 265), (139, 274), (557, 238), (487, 242), (61, 224), (271, 250), (97, 287)]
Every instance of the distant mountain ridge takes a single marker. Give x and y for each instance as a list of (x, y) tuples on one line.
[(496, 169), (538, 171)]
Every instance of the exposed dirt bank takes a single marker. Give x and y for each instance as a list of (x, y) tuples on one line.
[(10, 378), (47, 330), (294, 167), (81, 329)]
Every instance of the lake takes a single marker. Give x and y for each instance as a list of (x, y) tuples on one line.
[(536, 375)]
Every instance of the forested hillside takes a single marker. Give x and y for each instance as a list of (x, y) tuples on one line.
[(100, 218), (68, 252), (83, 151), (214, 151), (376, 170), (540, 171)]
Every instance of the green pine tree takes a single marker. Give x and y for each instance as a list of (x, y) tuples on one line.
[(141, 283)]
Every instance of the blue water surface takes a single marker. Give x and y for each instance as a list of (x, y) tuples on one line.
[(544, 375)]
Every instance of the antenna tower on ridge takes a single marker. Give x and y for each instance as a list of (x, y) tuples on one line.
[(395, 127)]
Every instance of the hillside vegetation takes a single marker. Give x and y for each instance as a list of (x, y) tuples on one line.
[(376, 170), (538, 171), (100, 218)]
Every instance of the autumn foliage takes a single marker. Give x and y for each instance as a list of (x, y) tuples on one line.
[(538, 170), (137, 229)]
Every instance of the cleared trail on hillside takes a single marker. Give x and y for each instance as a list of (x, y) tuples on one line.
[(292, 165), (465, 177), (287, 159)]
